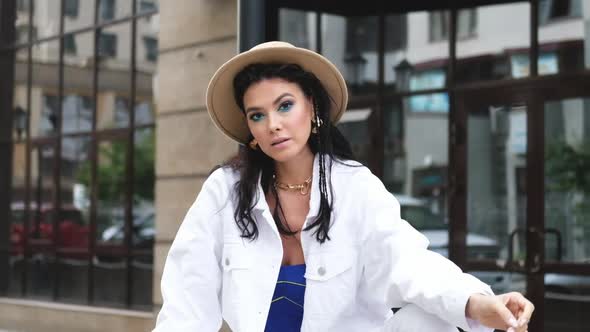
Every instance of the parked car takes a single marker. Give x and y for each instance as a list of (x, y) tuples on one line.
[(72, 234)]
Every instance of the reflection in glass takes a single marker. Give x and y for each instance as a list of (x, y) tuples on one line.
[(143, 231), (46, 17), (351, 44), (109, 10), (496, 200), (144, 6), (15, 255), (422, 161), (114, 77), (42, 213), (44, 99), (416, 56), (567, 180), (298, 27), (112, 156), (567, 302), (78, 14), (497, 43), (563, 36), (394, 159), (354, 125)]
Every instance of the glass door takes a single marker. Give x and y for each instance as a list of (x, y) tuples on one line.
[(566, 196), (520, 203)]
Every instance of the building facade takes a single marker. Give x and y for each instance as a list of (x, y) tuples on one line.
[(105, 139)]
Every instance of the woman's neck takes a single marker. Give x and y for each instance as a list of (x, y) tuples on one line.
[(296, 170)]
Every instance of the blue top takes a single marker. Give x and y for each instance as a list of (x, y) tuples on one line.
[(286, 309)]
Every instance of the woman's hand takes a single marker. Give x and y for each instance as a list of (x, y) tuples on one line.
[(510, 311)]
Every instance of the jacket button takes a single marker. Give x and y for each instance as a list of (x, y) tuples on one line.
[(227, 261), (321, 271)]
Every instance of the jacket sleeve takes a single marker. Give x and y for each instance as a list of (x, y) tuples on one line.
[(191, 280), (398, 268)]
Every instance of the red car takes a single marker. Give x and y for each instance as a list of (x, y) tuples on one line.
[(73, 232)]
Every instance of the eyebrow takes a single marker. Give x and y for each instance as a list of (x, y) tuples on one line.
[(276, 101)]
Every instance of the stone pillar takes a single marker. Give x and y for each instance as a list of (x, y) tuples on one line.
[(196, 37)]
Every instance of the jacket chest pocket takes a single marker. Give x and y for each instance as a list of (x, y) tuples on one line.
[(331, 279), (237, 274)]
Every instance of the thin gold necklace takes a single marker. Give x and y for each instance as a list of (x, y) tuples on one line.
[(303, 188)]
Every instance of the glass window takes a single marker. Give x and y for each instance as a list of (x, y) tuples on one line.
[(298, 27), (147, 6), (151, 48), (62, 115), (71, 8), (439, 23), (499, 46), (350, 43), (69, 45), (46, 17), (107, 45), (412, 61), (106, 9), (563, 36)]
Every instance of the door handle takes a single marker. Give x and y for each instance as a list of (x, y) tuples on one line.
[(535, 266)]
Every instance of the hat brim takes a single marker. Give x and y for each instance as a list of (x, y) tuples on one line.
[(227, 115)]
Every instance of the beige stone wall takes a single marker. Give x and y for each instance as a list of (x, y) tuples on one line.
[(196, 37), (33, 316)]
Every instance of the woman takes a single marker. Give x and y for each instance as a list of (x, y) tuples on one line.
[(293, 235)]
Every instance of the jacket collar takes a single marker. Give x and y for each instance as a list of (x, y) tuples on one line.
[(314, 198)]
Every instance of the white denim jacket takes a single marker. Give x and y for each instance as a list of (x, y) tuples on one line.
[(373, 261)]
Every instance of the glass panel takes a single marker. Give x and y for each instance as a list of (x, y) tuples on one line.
[(15, 256), (298, 27), (496, 193), (78, 14), (44, 94), (112, 156), (73, 279), (144, 6), (416, 51), (110, 263), (22, 23), (415, 169), (351, 44), (567, 172), (74, 219), (493, 42), (354, 125), (110, 281), (109, 10), (41, 264), (46, 17), (77, 103), (143, 271), (564, 36), (114, 77), (567, 302), (144, 183), (146, 62)]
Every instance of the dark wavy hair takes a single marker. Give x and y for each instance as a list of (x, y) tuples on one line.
[(328, 143)]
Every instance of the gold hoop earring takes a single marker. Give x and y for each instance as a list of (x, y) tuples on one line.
[(253, 144)]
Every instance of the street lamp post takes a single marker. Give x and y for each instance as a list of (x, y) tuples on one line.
[(355, 65), (403, 72)]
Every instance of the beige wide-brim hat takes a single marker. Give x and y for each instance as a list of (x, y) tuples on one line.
[(221, 104)]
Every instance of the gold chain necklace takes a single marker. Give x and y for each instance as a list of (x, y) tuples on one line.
[(303, 188)]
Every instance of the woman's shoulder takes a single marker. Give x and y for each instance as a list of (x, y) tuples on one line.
[(222, 177), (351, 170)]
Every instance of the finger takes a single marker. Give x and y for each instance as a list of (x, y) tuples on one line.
[(506, 316), (527, 312)]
